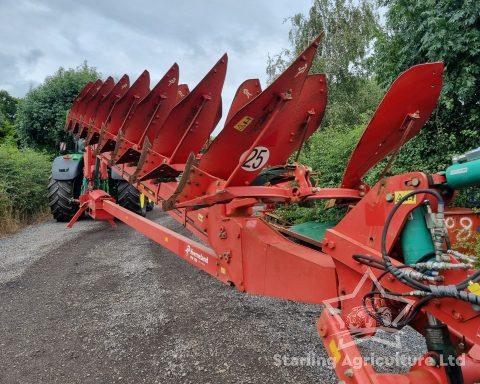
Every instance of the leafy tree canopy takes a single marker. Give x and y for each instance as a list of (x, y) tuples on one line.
[(8, 105), (8, 110), (41, 114), (436, 30), (349, 29), (362, 59)]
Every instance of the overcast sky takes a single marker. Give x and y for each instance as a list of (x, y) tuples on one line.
[(116, 37)]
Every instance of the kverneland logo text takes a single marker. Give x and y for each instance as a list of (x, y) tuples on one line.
[(194, 255)]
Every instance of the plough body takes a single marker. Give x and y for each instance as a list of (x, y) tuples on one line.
[(224, 192)]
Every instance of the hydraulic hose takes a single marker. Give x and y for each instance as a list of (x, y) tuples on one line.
[(456, 290)]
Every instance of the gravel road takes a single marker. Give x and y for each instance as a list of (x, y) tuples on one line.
[(99, 305)]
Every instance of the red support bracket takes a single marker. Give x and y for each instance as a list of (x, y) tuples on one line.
[(81, 210), (93, 202), (352, 368)]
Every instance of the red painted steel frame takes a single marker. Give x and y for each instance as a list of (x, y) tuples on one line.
[(248, 253), (215, 201), (245, 251), (194, 252), (350, 365), (414, 93)]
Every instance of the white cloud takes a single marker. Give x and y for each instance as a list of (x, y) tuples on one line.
[(126, 37)]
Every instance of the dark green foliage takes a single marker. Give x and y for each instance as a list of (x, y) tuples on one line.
[(8, 134), (327, 152), (416, 31), (8, 111), (8, 105), (349, 29), (23, 181), (436, 30), (41, 114)]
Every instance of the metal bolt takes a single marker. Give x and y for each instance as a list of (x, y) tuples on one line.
[(457, 316), (349, 373), (415, 182), (322, 330), (222, 233), (389, 197)]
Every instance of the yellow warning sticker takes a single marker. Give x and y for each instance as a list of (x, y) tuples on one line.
[(223, 271), (200, 217), (474, 288), (334, 351), (243, 123), (399, 194)]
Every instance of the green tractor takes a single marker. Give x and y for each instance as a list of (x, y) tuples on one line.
[(67, 183)]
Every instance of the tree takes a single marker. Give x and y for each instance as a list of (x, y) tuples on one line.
[(41, 114), (436, 30), (8, 105), (349, 29), (8, 110)]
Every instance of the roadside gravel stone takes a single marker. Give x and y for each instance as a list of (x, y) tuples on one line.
[(95, 304)]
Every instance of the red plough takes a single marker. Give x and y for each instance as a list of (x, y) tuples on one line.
[(223, 192)]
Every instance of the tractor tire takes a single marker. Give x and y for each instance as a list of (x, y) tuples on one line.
[(129, 197), (60, 199), (150, 205)]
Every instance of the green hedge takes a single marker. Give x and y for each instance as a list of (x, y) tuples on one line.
[(328, 151), (23, 180)]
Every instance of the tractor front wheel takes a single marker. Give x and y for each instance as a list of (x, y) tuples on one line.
[(60, 199), (131, 198), (150, 205)]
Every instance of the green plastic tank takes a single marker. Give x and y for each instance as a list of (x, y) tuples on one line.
[(416, 238), (463, 175), (312, 229)]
